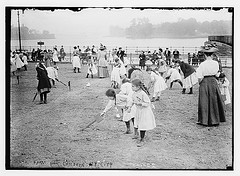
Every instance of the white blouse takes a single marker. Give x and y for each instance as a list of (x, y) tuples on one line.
[(207, 68)]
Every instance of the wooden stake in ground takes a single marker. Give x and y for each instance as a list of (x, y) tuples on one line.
[(18, 79), (96, 120), (69, 85)]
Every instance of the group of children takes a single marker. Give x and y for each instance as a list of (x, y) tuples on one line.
[(136, 106), (18, 60)]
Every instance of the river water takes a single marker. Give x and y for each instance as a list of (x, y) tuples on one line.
[(130, 45)]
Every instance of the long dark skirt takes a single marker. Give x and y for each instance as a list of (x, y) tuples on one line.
[(210, 103)]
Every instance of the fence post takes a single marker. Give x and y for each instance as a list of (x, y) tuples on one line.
[(70, 54), (130, 59)]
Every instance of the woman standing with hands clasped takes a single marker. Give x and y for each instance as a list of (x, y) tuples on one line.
[(144, 117), (210, 102)]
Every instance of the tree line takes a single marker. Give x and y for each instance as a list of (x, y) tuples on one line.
[(29, 34), (190, 28)]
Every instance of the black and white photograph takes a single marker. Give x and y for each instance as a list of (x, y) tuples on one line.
[(119, 88)]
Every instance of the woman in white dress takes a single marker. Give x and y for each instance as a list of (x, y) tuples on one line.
[(111, 60), (102, 63), (55, 56), (76, 60), (158, 84)]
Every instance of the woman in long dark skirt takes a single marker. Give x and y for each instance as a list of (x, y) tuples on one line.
[(142, 61), (210, 103), (44, 84)]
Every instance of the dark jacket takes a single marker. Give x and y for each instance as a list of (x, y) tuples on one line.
[(142, 60), (121, 54), (43, 80), (186, 69)]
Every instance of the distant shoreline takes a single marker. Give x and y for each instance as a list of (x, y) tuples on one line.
[(164, 37)]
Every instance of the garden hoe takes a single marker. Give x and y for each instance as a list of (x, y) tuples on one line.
[(96, 120)]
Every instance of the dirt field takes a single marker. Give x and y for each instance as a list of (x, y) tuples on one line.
[(50, 136)]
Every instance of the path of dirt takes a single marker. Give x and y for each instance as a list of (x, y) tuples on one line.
[(49, 135)]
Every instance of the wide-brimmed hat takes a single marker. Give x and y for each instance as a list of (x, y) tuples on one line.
[(208, 49), (101, 47)]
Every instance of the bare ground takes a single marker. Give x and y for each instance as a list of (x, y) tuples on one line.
[(50, 136)]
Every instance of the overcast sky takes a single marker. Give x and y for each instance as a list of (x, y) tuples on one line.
[(97, 20)]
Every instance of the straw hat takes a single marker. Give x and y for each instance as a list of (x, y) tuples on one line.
[(101, 47), (208, 49)]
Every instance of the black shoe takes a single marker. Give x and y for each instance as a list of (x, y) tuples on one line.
[(87, 76), (153, 99), (190, 93), (183, 91)]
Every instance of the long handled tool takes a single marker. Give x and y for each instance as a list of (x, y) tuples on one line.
[(96, 120), (35, 96), (61, 82)]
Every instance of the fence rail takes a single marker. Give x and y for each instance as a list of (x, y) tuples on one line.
[(128, 49), (132, 53)]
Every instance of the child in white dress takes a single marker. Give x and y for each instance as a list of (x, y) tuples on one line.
[(115, 75), (144, 119), (120, 101), (174, 76), (52, 74), (25, 62), (224, 88), (126, 89), (91, 68), (157, 82)]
